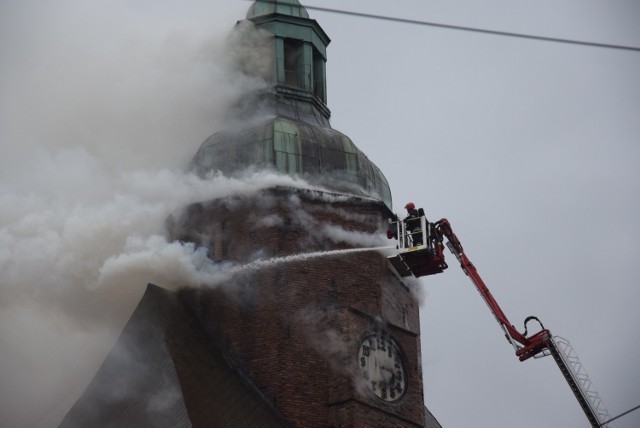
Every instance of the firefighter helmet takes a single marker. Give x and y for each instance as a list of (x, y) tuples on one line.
[(410, 206)]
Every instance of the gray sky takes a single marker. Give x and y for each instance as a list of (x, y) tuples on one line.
[(528, 148), (531, 150)]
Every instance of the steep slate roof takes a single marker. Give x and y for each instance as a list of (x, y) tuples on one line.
[(165, 372), (429, 420)]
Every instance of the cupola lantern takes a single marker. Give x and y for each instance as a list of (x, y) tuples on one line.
[(286, 127)]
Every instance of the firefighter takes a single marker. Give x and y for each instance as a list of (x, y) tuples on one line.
[(413, 223)]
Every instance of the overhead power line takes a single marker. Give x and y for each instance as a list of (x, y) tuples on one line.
[(620, 415), (475, 30)]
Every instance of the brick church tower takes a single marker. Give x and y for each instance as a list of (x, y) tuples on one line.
[(317, 333)]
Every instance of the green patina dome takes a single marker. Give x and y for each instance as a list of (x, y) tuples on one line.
[(320, 155), (283, 7), (286, 128)]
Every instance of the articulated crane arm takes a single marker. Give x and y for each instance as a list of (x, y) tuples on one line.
[(421, 253), (525, 346), (538, 344)]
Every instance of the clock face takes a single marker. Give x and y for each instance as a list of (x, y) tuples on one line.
[(382, 366)]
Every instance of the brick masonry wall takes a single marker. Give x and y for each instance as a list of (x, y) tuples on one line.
[(294, 329)]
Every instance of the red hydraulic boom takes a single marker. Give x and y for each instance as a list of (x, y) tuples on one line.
[(526, 347), (420, 253)]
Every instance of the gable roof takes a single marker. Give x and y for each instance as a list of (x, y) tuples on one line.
[(164, 371)]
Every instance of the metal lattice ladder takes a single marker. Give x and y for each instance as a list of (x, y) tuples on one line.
[(579, 381)]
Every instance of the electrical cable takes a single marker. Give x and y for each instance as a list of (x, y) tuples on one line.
[(472, 29), (476, 30), (620, 415)]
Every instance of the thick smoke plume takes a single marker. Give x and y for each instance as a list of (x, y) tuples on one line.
[(102, 105)]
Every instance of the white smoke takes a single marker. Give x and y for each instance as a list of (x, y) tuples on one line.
[(321, 231), (335, 345), (338, 233), (82, 265), (102, 105)]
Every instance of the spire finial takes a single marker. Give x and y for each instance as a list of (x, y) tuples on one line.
[(283, 7)]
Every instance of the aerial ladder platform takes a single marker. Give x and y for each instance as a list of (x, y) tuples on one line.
[(421, 253)]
